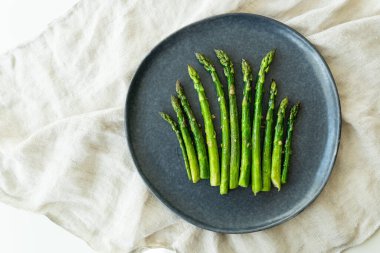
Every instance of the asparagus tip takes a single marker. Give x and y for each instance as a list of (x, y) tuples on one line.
[(245, 65), (178, 86), (246, 69), (294, 110), (226, 62), (273, 86), (201, 58), (174, 99), (285, 101), (207, 64), (190, 69), (198, 55), (165, 116), (220, 54)]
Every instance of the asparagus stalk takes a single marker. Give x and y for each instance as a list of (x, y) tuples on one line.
[(277, 145), (288, 142), (208, 66), (229, 72), (256, 141), (246, 145), (191, 155), (197, 133), (212, 144), (268, 140), (176, 130)]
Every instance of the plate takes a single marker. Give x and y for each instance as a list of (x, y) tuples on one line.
[(301, 74)]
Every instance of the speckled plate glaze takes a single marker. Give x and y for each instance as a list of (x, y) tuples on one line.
[(301, 74)]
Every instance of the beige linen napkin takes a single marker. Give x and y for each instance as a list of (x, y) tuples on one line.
[(63, 151)]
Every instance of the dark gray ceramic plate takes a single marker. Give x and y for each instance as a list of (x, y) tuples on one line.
[(301, 74)]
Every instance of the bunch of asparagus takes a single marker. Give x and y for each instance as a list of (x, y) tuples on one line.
[(243, 161)]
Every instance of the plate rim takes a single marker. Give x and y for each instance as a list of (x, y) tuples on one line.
[(335, 148)]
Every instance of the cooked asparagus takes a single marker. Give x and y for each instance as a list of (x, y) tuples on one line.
[(277, 145), (212, 144), (268, 140), (176, 130), (246, 144), (288, 142), (229, 72), (256, 140), (197, 133), (208, 66)]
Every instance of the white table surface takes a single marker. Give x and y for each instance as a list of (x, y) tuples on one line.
[(25, 232)]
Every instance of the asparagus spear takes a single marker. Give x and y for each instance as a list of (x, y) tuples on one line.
[(208, 66), (288, 142), (268, 140), (191, 155), (246, 145), (256, 142), (197, 133), (277, 145), (212, 144), (229, 72), (176, 130)]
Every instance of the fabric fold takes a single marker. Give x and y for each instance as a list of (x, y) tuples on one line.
[(63, 150)]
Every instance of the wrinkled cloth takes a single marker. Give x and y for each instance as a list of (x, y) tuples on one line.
[(63, 151)]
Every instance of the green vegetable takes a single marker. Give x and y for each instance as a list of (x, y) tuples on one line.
[(277, 145), (288, 142), (191, 155), (246, 145), (212, 144), (229, 72), (268, 140), (208, 66), (256, 141), (197, 133), (176, 130)]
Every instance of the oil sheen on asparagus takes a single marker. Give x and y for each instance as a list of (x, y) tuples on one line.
[(288, 142), (229, 72), (246, 137), (212, 145), (191, 155), (268, 139), (258, 107), (277, 145), (197, 133), (225, 125)]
